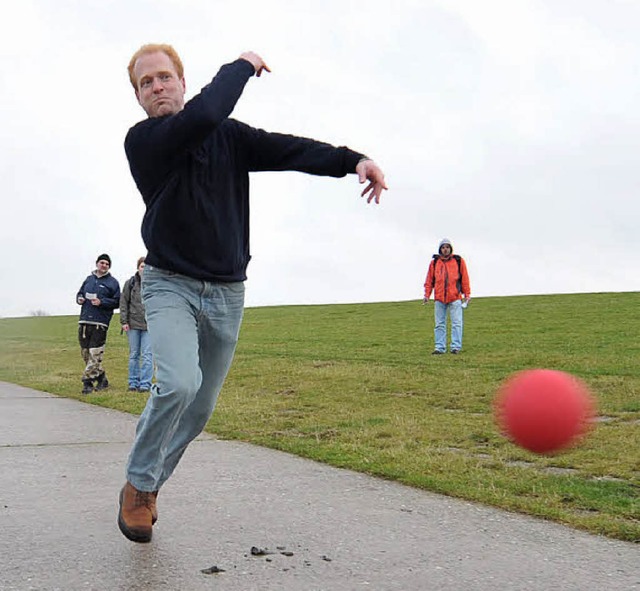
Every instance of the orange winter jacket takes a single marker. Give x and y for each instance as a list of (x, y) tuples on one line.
[(444, 279)]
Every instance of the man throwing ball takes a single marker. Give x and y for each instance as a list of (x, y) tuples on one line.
[(191, 164)]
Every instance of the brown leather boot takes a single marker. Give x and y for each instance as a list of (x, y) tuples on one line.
[(134, 517)]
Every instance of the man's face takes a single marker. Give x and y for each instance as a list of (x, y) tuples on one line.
[(445, 250), (159, 90), (102, 267)]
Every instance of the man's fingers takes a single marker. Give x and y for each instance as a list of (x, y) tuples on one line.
[(374, 190), (368, 188), (256, 61), (263, 67)]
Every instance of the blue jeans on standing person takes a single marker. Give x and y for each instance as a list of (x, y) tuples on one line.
[(140, 359), (194, 327), (455, 316)]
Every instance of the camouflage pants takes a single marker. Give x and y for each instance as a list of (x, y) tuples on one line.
[(92, 339)]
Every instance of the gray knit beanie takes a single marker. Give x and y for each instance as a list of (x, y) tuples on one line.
[(443, 242)]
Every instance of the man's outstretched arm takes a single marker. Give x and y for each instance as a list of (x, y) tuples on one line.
[(366, 169)]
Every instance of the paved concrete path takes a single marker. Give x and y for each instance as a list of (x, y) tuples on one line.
[(62, 465)]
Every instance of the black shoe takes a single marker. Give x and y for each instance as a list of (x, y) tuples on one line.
[(437, 352), (102, 383), (455, 351), (87, 386), (132, 389)]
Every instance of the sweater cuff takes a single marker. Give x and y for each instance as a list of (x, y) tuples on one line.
[(353, 159), (249, 65)]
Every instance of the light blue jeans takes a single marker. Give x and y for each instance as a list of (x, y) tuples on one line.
[(140, 359), (194, 327), (455, 316)]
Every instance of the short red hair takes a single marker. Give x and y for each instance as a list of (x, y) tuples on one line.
[(153, 48)]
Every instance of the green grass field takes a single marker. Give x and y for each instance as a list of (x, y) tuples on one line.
[(355, 386)]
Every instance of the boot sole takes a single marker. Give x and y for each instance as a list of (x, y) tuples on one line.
[(130, 534)]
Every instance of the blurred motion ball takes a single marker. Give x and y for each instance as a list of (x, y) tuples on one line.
[(544, 410)]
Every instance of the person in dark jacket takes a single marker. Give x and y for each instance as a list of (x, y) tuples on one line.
[(191, 164), (99, 296), (133, 322)]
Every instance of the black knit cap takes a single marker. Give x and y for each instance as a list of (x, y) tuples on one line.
[(104, 257)]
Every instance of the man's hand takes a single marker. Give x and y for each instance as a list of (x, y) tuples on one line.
[(125, 327), (369, 170), (96, 301), (256, 61), (80, 300), (425, 300)]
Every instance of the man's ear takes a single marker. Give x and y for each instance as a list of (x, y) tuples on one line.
[(184, 85)]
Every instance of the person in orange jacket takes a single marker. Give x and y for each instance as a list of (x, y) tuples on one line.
[(448, 279)]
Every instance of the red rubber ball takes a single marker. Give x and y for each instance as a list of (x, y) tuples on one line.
[(544, 410)]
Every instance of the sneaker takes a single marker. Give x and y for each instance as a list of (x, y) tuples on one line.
[(437, 352), (135, 517), (132, 389), (87, 386), (455, 351)]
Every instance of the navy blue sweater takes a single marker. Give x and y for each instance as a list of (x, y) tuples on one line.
[(192, 169)]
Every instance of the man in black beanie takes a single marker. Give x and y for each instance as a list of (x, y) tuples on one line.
[(99, 296)]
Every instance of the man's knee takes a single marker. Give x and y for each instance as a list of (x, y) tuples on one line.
[(185, 386)]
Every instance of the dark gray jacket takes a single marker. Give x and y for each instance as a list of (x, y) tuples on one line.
[(131, 306)]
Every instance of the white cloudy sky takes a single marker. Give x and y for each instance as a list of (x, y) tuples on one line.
[(510, 126)]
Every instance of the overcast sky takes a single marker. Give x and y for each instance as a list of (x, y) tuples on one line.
[(511, 127)]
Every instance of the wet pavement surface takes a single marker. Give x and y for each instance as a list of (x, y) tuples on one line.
[(236, 517)]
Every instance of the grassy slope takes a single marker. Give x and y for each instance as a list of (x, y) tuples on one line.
[(355, 386)]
